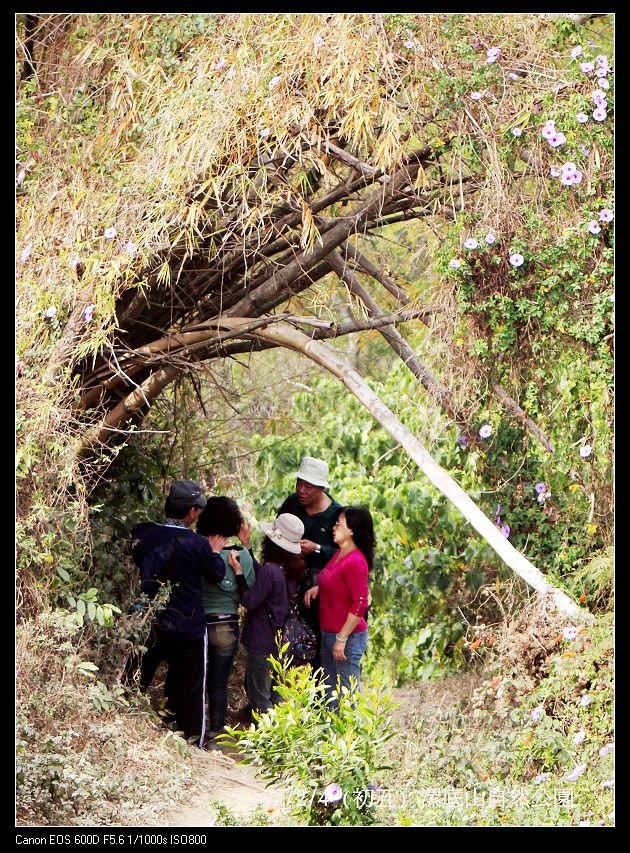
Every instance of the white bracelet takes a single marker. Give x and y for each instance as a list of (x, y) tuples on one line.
[(341, 639)]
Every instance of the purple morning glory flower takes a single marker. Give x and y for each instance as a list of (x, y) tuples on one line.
[(471, 243), (577, 51), (548, 130), (109, 233), (485, 431), (492, 54), (603, 83), (49, 313), (517, 259), (586, 451), (541, 487), (557, 139), (332, 793), (602, 62), (505, 530), (462, 441), (599, 114), (516, 131), (594, 227), (490, 238), (586, 67), (87, 313), (569, 174), (498, 509), (575, 774), (454, 264), (582, 118), (606, 214), (555, 172), (475, 96)]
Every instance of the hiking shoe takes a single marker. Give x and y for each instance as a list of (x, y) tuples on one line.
[(211, 735)]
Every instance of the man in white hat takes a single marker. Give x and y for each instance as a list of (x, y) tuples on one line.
[(318, 511)]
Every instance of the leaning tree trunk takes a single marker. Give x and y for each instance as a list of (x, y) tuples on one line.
[(327, 358)]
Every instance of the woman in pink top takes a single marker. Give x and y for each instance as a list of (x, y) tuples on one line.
[(342, 588)]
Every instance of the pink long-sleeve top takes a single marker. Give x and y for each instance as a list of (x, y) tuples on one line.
[(343, 589)]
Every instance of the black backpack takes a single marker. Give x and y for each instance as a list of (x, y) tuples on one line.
[(299, 636)]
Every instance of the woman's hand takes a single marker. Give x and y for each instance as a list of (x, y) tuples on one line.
[(339, 651), (244, 534), (217, 542), (235, 563), (343, 635), (310, 594)]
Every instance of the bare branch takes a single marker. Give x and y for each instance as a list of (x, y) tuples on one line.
[(514, 407), (327, 358)]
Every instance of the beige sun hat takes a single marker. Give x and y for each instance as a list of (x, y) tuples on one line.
[(286, 531), (314, 471)]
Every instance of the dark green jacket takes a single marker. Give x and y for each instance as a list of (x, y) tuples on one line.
[(318, 528), (223, 597)]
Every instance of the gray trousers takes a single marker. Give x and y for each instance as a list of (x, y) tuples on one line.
[(259, 683)]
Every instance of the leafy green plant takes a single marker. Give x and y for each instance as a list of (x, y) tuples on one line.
[(328, 758), (515, 750), (593, 581), (225, 817)]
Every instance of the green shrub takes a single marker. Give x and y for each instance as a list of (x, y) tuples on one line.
[(329, 759)]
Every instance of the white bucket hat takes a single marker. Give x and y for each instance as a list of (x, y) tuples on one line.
[(314, 471), (286, 531)]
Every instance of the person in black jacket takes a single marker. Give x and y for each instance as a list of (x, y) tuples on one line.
[(318, 512), (171, 553)]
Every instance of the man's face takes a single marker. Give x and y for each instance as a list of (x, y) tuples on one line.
[(307, 493)]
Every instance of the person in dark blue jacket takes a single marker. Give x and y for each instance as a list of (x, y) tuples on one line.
[(171, 553)]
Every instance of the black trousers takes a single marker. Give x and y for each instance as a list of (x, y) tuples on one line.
[(185, 687)]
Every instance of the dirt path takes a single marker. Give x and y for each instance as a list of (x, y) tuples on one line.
[(220, 778)]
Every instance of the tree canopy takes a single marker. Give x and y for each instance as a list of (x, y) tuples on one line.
[(186, 180)]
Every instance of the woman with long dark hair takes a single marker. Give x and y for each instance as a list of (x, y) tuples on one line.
[(267, 603), (342, 588), (222, 515)]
